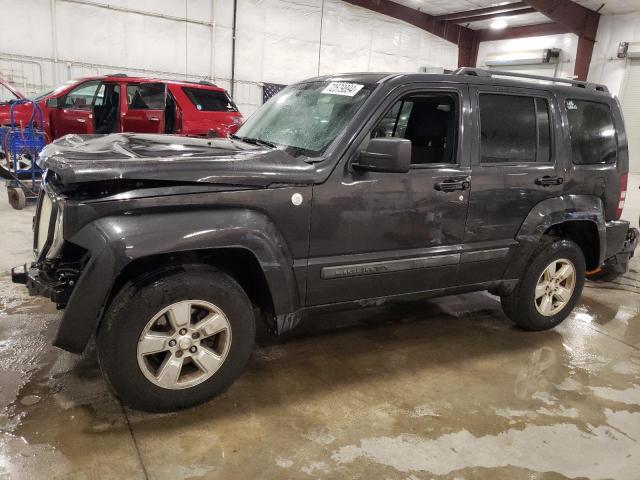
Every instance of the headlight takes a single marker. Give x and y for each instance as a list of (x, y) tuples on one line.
[(58, 239), (48, 235), (44, 211)]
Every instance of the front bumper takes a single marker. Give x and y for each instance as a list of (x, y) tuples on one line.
[(40, 284)]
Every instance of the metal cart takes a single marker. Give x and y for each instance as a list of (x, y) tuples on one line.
[(21, 145)]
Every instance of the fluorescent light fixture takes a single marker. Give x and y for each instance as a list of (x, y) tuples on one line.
[(498, 24)]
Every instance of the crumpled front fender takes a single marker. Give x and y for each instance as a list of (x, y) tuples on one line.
[(116, 241)]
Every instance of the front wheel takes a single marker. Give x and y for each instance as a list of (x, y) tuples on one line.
[(176, 338), (549, 288)]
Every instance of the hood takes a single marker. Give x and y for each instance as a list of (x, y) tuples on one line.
[(12, 89), (130, 156)]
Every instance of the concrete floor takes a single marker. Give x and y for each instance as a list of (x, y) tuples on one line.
[(439, 389)]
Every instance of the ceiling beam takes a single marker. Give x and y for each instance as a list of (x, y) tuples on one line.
[(481, 11), (578, 19), (461, 36), (479, 18)]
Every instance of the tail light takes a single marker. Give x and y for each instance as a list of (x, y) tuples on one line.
[(622, 195)]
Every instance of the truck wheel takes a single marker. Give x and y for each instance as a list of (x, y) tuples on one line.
[(175, 338), (549, 288), (17, 198)]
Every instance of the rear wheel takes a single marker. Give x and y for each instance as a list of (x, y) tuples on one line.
[(549, 288), (176, 338)]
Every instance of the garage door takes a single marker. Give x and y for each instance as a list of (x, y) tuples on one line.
[(630, 100)]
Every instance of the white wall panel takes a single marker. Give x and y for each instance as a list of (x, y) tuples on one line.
[(567, 42), (605, 66), (278, 41), (25, 27)]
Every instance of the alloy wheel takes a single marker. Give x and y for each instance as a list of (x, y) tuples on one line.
[(184, 344), (555, 287)]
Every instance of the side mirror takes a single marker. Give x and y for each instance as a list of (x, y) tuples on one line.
[(385, 155), (52, 102)]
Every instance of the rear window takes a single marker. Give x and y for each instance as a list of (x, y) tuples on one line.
[(593, 135), (514, 129), (209, 100)]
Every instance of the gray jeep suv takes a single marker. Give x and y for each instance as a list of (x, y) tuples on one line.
[(340, 191)]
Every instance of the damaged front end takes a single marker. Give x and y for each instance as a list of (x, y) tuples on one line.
[(49, 276)]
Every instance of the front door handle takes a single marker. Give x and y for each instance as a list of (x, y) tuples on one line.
[(451, 185), (81, 120), (547, 181)]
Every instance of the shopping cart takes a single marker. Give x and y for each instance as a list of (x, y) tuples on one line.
[(21, 145)]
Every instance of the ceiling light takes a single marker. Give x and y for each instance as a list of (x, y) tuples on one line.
[(498, 23)]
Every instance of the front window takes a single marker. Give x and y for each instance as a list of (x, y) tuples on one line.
[(429, 120), (307, 117), (82, 96)]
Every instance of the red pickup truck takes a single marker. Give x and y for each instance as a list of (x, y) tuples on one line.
[(119, 103)]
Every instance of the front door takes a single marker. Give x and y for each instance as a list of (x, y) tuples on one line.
[(73, 113), (145, 108), (377, 234), (515, 165)]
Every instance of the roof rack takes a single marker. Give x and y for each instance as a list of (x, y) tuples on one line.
[(479, 72)]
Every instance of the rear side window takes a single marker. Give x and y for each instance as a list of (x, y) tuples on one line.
[(209, 100), (514, 129), (593, 135), (146, 96)]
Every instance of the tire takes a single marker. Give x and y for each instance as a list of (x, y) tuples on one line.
[(522, 306), (17, 198), (127, 325)]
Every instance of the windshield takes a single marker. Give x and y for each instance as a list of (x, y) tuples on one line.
[(305, 118), (45, 92)]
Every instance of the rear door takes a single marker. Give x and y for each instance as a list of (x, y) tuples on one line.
[(145, 107), (73, 113), (515, 165)]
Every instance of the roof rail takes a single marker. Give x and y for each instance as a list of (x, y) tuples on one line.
[(206, 82), (118, 75), (479, 72)]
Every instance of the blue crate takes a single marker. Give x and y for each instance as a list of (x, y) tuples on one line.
[(24, 142)]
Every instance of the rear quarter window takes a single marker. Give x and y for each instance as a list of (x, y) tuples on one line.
[(209, 100), (593, 134)]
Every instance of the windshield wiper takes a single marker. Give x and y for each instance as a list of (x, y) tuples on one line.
[(255, 141)]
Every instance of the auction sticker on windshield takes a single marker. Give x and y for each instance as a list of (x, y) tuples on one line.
[(342, 88)]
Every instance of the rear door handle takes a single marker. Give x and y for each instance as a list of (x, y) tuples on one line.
[(154, 119), (451, 185), (547, 181), (81, 120)]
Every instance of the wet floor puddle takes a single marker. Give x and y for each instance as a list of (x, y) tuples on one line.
[(439, 389)]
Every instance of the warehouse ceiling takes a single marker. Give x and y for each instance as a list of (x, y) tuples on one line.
[(521, 16)]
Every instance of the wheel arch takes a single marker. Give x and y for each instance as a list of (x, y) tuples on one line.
[(570, 216), (124, 245)]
